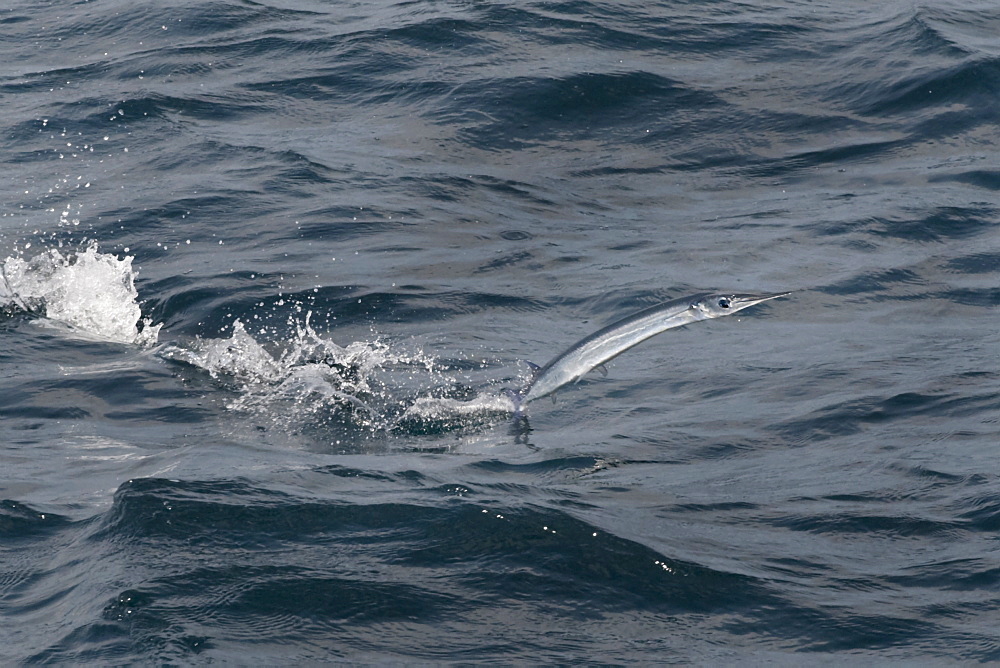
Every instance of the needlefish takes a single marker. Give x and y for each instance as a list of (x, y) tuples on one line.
[(606, 344)]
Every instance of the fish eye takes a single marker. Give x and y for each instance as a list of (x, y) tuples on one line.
[(724, 302)]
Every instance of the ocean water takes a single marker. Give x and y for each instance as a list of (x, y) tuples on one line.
[(269, 265)]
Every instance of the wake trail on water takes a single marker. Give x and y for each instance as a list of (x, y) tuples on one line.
[(305, 382), (311, 382)]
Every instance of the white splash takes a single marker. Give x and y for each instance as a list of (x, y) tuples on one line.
[(311, 379), (92, 292), (313, 383)]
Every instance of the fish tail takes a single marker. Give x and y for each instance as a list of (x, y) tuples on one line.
[(517, 396)]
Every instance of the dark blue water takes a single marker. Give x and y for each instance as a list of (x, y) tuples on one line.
[(276, 434)]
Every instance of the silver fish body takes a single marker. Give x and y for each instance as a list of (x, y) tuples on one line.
[(613, 340)]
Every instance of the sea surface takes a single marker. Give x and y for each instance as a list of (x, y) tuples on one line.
[(269, 266)]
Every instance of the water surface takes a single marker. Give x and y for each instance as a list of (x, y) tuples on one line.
[(243, 240)]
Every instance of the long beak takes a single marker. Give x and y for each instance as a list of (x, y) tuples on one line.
[(764, 298), (746, 301)]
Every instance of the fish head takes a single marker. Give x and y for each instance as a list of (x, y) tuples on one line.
[(716, 305)]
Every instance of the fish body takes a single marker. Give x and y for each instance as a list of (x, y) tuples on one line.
[(606, 344)]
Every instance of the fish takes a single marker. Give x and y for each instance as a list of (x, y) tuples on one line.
[(605, 344)]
